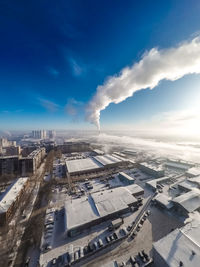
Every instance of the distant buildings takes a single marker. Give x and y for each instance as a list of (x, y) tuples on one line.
[(179, 248), (52, 134), (9, 200), (39, 134), (70, 147), (5, 143)]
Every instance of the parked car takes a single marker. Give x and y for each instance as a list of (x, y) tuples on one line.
[(100, 243)]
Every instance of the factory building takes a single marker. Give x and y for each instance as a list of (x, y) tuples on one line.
[(125, 178), (9, 200), (151, 169), (92, 164), (85, 212), (82, 166), (178, 165), (108, 161), (187, 202), (193, 172), (179, 248), (153, 184)]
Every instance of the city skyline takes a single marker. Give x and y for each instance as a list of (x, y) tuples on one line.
[(61, 55)]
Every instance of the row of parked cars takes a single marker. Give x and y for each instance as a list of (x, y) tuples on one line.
[(142, 259), (48, 230), (140, 223)]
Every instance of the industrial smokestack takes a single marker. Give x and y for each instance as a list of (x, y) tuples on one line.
[(155, 65)]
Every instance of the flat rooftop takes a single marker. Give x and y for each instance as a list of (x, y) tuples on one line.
[(151, 166), (79, 165), (179, 164), (195, 171), (190, 201), (10, 195), (153, 183), (179, 245), (126, 176), (108, 159), (164, 200), (97, 205)]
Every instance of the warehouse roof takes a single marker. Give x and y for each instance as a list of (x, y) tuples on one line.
[(108, 159), (10, 195), (181, 245), (84, 210), (179, 164), (126, 176), (151, 166), (153, 183), (190, 201), (195, 180), (164, 201), (193, 171), (79, 165)]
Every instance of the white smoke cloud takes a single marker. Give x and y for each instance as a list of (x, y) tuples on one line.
[(155, 65)]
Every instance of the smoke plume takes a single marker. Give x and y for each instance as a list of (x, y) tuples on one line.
[(155, 65)]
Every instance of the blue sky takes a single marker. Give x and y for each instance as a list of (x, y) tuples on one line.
[(54, 54)]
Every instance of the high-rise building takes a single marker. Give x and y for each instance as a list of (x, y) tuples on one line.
[(52, 134), (39, 134)]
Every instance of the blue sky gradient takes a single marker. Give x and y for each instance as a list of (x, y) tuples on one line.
[(54, 54)]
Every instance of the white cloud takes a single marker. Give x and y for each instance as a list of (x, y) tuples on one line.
[(155, 65)]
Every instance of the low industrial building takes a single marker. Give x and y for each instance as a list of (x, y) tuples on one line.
[(163, 201), (125, 178), (187, 202), (85, 212), (152, 170), (178, 165), (193, 172), (155, 182), (108, 161), (9, 200), (92, 164), (82, 166), (179, 248)]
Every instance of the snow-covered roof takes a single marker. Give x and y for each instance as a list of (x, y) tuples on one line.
[(153, 183), (190, 201), (181, 245), (179, 165), (126, 176), (193, 171), (79, 165), (97, 205), (10, 195), (164, 200), (108, 159)]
